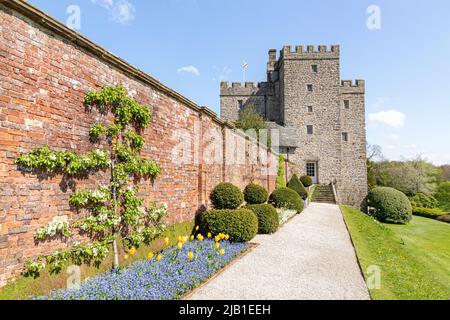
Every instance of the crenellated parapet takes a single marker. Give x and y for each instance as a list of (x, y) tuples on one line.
[(244, 88), (347, 86), (310, 52)]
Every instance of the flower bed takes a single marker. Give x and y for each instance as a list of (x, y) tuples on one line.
[(178, 272), (285, 215)]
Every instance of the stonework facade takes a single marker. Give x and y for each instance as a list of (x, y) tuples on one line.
[(320, 119)]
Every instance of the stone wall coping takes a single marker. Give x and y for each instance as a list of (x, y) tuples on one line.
[(46, 21)]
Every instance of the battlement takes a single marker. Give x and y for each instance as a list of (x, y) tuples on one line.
[(244, 88), (310, 52), (347, 86)]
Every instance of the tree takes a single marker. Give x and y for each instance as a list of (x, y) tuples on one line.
[(249, 119), (374, 154), (446, 172), (114, 210), (280, 180), (443, 195), (409, 176)]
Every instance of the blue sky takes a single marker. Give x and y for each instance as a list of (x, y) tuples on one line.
[(191, 45)]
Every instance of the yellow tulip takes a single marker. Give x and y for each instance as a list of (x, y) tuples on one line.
[(192, 237), (185, 239), (190, 255), (125, 257), (222, 252), (200, 237), (196, 228), (217, 238), (209, 235), (150, 256), (180, 245), (159, 257), (217, 246), (132, 251), (166, 241), (227, 237)]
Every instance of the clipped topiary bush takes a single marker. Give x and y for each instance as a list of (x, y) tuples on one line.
[(286, 198), (296, 185), (307, 181), (226, 196), (421, 200), (240, 224), (255, 194), (268, 221), (390, 205)]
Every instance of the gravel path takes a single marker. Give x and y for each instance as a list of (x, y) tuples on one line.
[(310, 257)]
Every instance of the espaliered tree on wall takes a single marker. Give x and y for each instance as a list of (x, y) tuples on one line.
[(114, 211)]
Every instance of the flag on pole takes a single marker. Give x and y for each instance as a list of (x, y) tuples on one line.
[(245, 67)]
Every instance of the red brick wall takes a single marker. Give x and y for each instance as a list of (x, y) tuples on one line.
[(43, 79)]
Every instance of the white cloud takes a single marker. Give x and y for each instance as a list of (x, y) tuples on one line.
[(393, 137), (411, 146), (104, 3), (390, 147), (120, 11), (189, 69), (392, 118)]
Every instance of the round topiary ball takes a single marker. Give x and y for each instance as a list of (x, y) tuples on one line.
[(306, 181), (286, 198), (296, 185), (226, 196), (255, 194), (268, 220), (240, 224), (390, 205)]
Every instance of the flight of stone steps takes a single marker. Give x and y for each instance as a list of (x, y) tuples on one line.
[(323, 194)]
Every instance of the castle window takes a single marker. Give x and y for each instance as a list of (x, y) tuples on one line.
[(310, 109), (314, 68), (241, 105), (344, 136), (309, 129), (310, 87), (347, 104)]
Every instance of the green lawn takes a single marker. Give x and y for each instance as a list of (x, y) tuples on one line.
[(414, 259)]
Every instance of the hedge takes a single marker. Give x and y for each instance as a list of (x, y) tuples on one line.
[(268, 220), (390, 205), (226, 196), (255, 194), (428, 213), (296, 185), (306, 181), (286, 198), (421, 200), (240, 224)]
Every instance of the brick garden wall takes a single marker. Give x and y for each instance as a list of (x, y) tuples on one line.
[(45, 71)]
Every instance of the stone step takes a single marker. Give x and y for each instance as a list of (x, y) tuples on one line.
[(324, 194)]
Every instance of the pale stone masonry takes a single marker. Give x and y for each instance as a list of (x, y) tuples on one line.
[(321, 119)]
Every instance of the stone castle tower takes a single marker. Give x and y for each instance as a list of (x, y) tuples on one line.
[(320, 119)]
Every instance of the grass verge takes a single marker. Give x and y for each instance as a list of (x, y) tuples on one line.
[(414, 259)]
